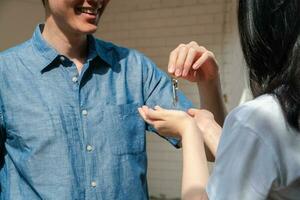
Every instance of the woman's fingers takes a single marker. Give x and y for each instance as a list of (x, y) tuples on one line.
[(158, 108), (144, 116), (150, 115), (142, 113), (193, 111), (156, 114)]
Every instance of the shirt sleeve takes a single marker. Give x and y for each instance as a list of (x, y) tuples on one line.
[(2, 135), (245, 167), (158, 91)]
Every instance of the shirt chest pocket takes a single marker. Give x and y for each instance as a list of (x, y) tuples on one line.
[(127, 132)]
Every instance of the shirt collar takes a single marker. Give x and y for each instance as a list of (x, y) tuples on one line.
[(49, 54), (45, 51), (103, 49)]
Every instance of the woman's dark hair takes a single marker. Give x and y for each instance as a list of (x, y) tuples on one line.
[(43, 2), (270, 39)]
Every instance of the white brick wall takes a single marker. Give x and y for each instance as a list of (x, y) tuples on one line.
[(154, 27)]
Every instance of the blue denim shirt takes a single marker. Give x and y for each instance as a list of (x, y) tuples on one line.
[(67, 135)]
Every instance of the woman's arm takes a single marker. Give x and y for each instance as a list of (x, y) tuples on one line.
[(210, 130), (180, 124), (195, 171)]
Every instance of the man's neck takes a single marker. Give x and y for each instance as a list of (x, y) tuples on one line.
[(73, 46)]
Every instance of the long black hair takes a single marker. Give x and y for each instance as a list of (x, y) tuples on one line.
[(270, 39)]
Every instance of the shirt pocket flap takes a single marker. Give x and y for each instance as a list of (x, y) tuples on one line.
[(127, 134)]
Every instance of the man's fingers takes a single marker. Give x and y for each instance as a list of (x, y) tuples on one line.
[(172, 61), (182, 54), (192, 53), (201, 61), (182, 59)]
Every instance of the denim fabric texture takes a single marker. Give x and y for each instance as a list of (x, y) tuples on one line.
[(70, 135)]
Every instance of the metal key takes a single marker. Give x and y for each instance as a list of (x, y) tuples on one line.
[(174, 91)]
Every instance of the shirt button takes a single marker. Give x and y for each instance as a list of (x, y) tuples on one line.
[(84, 112), (93, 184), (89, 148), (62, 58), (74, 79)]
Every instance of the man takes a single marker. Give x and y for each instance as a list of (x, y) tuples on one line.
[(70, 128)]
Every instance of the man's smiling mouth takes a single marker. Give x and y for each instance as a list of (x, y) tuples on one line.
[(89, 10)]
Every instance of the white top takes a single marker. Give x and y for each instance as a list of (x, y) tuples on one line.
[(258, 156)]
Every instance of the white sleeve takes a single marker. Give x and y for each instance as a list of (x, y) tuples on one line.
[(245, 167)]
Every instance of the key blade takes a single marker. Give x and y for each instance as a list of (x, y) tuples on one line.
[(174, 91)]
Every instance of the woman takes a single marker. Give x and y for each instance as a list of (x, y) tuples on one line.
[(258, 153)]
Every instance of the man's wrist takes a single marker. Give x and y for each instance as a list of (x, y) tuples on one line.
[(208, 85)]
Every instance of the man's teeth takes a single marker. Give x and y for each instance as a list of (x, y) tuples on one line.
[(87, 10)]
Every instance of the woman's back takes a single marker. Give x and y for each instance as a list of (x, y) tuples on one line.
[(258, 156)]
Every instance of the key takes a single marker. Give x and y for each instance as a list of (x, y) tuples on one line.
[(174, 91)]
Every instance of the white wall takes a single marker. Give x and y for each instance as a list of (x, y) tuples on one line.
[(154, 27), (17, 20)]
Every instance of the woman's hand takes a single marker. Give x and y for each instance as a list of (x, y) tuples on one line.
[(183, 125), (180, 124), (210, 129), (194, 63), (172, 123)]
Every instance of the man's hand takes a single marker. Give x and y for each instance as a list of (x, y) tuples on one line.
[(197, 64), (194, 63)]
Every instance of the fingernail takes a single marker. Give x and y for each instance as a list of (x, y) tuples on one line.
[(171, 69), (195, 66), (178, 72)]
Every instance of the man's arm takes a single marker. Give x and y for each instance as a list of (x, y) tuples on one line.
[(211, 99), (197, 64), (157, 90)]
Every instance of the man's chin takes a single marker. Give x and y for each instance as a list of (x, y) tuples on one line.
[(90, 29)]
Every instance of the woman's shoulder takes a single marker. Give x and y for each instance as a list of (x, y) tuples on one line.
[(262, 110), (261, 143), (262, 117), (263, 103)]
